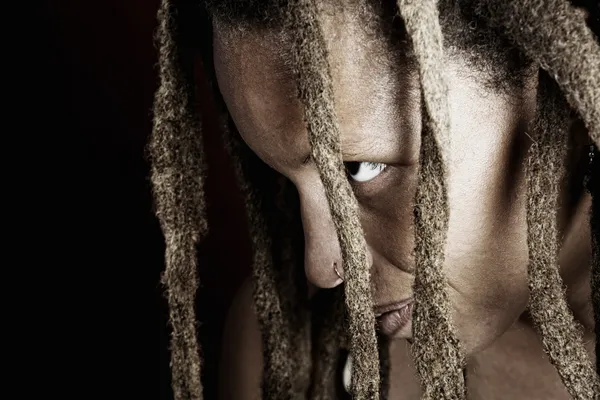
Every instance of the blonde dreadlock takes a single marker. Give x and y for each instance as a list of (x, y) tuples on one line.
[(276, 302), (278, 373), (564, 46), (561, 337), (329, 327), (436, 351), (593, 188), (558, 41), (316, 93), (177, 177)]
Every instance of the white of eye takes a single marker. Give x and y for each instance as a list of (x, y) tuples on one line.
[(364, 171)]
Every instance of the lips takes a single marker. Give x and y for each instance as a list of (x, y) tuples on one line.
[(394, 319)]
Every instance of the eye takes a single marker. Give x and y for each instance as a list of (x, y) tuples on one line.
[(364, 171)]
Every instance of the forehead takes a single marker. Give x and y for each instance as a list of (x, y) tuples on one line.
[(371, 84)]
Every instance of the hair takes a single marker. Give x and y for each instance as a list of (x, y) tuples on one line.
[(515, 34)]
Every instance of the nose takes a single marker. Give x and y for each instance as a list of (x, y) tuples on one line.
[(322, 258)]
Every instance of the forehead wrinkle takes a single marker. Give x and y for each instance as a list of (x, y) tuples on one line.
[(258, 61), (356, 146)]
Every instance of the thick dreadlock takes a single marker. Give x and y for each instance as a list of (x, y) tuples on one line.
[(594, 188), (560, 335), (436, 351), (177, 177), (565, 47), (316, 93), (279, 372), (328, 334), (557, 39)]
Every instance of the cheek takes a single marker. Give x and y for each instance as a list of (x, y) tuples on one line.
[(487, 282), (486, 250), (486, 256), (387, 220), (486, 253)]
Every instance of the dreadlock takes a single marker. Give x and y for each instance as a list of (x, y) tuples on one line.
[(316, 93), (593, 187), (177, 177), (277, 380), (561, 336), (550, 33), (328, 334), (436, 351)]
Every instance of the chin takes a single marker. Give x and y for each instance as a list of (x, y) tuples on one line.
[(473, 340), (403, 333), (477, 335)]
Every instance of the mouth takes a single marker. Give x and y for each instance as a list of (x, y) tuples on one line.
[(394, 320)]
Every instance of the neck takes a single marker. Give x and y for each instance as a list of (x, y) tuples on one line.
[(575, 260)]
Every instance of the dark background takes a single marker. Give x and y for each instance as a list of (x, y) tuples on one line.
[(92, 76)]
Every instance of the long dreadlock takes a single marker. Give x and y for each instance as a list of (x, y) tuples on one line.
[(178, 177), (561, 337), (436, 351), (594, 187), (557, 39), (316, 93)]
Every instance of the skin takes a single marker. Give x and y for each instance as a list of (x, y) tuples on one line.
[(378, 111)]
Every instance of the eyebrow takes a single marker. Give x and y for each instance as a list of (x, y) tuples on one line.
[(355, 149)]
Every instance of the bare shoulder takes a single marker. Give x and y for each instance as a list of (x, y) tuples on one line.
[(240, 370)]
